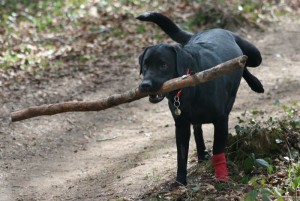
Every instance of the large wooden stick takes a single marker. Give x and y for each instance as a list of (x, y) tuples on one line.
[(131, 95)]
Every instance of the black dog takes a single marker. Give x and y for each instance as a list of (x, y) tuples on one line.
[(210, 102)]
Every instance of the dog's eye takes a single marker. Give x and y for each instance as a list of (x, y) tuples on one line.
[(145, 67), (164, 67)]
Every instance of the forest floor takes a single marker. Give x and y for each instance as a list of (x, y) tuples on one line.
[(128, 150)]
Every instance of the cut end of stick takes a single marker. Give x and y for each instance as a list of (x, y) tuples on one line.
[(243, 60)]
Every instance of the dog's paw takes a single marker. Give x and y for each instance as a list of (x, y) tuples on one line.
[(220, 166), (176, 185), (204, 157)]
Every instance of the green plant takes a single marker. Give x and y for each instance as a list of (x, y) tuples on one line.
[(255, 149), (293, 187), (257, 140)]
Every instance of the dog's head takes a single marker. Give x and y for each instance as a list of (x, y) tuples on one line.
[(159, 64)]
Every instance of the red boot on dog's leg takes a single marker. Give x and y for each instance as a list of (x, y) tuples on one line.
[(219, 163)]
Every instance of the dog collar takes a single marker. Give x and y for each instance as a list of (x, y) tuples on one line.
[(176, 98)]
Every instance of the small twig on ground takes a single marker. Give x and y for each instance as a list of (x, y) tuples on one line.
[(106, 139)]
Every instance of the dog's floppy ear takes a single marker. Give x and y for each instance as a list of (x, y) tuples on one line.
[(184, 61), (141, 59)]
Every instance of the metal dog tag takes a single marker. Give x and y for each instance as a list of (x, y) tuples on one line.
[(177, 111), (177, 105)]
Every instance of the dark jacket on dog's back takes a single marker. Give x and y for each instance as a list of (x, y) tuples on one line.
[(210, 102)]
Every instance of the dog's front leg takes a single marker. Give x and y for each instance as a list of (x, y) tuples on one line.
[(220, 138), (183, 133), (202, 153)]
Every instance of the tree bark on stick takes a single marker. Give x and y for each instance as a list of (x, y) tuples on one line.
[(132, 95)]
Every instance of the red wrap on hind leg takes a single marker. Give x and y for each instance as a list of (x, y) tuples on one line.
[(219, 163)]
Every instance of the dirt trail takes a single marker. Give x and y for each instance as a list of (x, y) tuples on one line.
[(126, 150)]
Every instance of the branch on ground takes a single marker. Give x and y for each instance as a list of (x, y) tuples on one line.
[(131, 95)]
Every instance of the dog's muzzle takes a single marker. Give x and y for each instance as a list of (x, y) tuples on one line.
[(147, 86), (156, 98)]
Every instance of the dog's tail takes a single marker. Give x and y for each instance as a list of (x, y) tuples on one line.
[(253, 82), (254, 60), (168, 26)]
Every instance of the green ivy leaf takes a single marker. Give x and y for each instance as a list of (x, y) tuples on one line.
[(277, 192), (266, 198), (280, 199), (296, 183), (196, 188), (266, 191), (262, 163), (251, 196), (248, 164)]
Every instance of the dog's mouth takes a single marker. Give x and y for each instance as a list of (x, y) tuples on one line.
[(156, 98)]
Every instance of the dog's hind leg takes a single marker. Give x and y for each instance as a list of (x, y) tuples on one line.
[(201, 149), (183, 133), (254, 60), (218, 159)]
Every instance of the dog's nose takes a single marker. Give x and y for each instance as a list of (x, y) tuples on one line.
[(146, 85)]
